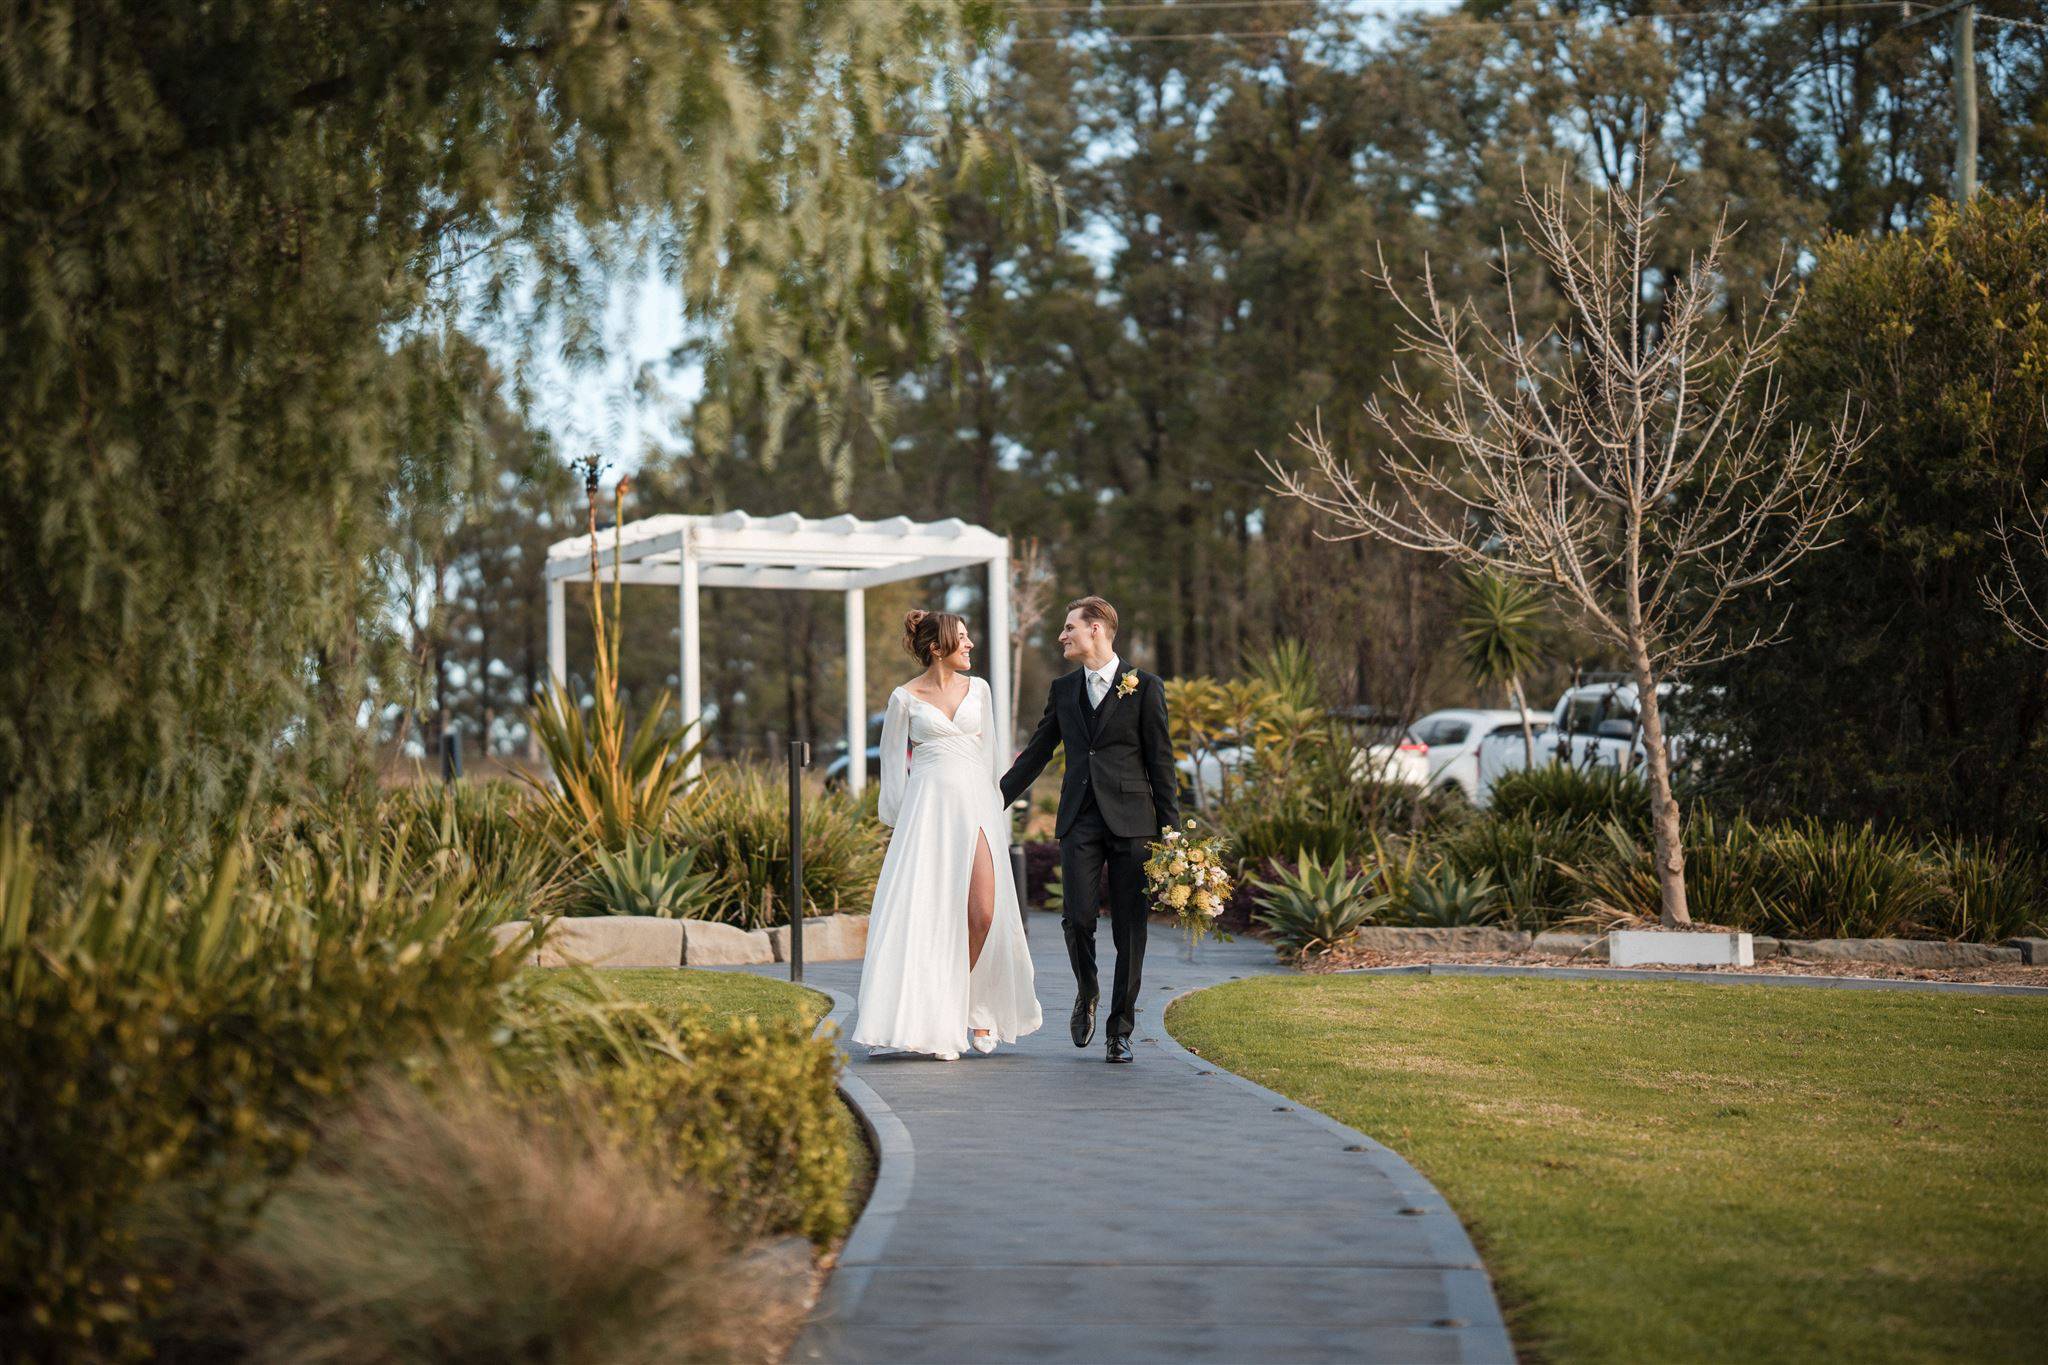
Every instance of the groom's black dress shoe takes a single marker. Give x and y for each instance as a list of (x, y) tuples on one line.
[(1119, 1049), (1084, 1021)]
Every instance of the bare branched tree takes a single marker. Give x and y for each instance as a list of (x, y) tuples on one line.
[(2014, 592), (1030, 597), (1630, 460)]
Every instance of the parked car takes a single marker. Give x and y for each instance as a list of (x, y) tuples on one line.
[(835, 771), (1454, 738), (1205, 776), (1595, 724)]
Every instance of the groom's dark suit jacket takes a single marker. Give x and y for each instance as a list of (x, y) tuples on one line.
[(1119, 750)]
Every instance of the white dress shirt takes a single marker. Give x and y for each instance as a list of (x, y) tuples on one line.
[(1100, 680)]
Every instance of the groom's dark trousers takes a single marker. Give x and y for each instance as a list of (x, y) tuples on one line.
[(1120, 790), (1087, 846)]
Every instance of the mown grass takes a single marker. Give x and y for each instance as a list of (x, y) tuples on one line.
[(731, 994), (1677, 1172)]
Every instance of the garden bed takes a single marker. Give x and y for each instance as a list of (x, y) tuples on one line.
[(1353, 957)]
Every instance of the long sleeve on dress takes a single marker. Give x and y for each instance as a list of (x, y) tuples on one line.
[(895, 757), (991, 735)]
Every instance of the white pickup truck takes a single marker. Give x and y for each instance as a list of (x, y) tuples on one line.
[(1595, 724)]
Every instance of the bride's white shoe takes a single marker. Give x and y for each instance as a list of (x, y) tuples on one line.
[(945, 1056), (984, 1041)]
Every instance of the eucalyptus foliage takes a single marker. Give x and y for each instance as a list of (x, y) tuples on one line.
[(223, 222)]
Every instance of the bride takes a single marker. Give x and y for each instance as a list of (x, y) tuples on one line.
[(946, 958)]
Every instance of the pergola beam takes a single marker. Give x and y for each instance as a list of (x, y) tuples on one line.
[(839, 554)]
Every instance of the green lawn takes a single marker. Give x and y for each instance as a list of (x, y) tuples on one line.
[(729, 993), (737, 993), (1671, 1172)]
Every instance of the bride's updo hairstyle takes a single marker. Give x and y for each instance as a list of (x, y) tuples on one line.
[(930, 635)]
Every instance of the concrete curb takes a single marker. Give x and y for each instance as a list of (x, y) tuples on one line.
[(1839, 983), (1476, 1321), (895, 1169)]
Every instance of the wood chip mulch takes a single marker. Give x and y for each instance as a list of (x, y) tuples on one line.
[(1345, 959)]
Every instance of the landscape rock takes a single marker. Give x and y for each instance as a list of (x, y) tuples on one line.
[(707, 943), (517, 931), (1473, 938), (2033, 951), (1555, 944), (613, 941), (1902, 952), (827, 938)]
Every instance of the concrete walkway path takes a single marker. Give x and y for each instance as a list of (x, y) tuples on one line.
[(1040, 1205)]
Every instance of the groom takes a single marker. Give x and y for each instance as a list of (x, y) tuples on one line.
[(1120, 792)]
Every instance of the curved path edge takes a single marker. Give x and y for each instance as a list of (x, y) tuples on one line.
[(1839, 983), (895, 1169), (1476, 1321)]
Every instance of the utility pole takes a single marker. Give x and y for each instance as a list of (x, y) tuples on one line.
[(1963, 19)]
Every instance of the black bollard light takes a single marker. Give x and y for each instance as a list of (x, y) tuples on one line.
[(1017, 872), (799, 759), (451, 756)]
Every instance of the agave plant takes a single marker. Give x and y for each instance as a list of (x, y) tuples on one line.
[(1314, 907), (1444, 898), (645, 878)]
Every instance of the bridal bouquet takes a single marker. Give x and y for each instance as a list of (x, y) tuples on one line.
[(1185, 878)]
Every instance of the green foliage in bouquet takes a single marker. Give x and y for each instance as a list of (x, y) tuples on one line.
[(1187, 876)]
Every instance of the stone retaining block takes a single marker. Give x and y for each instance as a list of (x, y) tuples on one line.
[(1471, 938), (1554, 944), (827, 938), (707, 943), (612, 941), (1900, 952)]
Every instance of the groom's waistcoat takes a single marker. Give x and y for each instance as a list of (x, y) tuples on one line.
[(1118, 753)]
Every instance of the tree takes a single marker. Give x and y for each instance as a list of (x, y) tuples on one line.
[(1500, 633), (1628, 462), (1902, 699), (221, 220)]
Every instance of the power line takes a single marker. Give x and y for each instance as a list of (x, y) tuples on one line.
[(1445, 25)]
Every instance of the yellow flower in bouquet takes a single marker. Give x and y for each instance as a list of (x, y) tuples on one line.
[(1185, 877)]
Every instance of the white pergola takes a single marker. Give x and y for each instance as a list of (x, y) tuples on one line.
[(839, 554)]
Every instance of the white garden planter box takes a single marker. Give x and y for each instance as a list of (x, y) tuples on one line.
[(1668, 948)]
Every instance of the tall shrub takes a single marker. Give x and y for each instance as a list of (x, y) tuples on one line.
[(165, 1026), (1900, 698)]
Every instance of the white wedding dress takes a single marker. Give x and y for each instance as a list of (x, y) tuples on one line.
[(940, 792)]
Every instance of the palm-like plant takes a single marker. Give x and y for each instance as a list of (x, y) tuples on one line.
[(1500, 635), (1289, 669), (609, 781), (1313, 908)]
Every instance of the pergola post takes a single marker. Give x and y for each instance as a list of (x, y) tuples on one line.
[(689, 676), (999, 646), (558, 633), (856, 690)]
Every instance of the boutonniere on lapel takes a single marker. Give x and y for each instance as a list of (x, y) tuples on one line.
[(1127, 684)]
